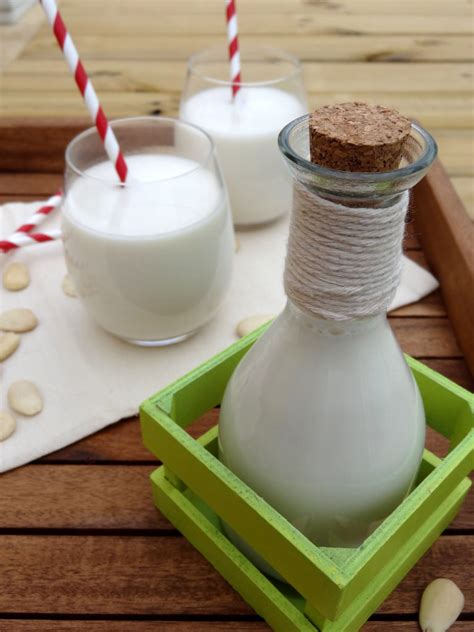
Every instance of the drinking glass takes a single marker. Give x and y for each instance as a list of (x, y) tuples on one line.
[(151, 259), (245, 126)]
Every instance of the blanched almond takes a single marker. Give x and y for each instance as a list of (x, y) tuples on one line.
[(441, 604), (19, 320), (8, 344), (16, 277), (25, 398), (7, 424), (251, 323), (68, 286)]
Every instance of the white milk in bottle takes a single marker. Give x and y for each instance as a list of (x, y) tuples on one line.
[(152, 260), (245, 130)]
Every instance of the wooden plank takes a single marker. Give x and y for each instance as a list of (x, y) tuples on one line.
[(50, 625), (430, 306), (104, 497), (409, 626), (152, 75), (30, 184), (263, 21), (456, 151), (442, 220), (426, 337), (65, 105), (25, 145), (346, 7), (446, 558), (98, 45), (165, 575), (118, 442), (433, 110), (455, 370), (92, 497)]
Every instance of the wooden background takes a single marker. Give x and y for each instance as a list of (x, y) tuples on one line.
[(81, 546)]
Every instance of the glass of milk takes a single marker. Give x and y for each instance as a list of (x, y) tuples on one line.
[(245, 127), (151, 259)]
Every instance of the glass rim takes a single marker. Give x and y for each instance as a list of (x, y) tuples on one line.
[(90, 131), (423, 162), (262, 49)]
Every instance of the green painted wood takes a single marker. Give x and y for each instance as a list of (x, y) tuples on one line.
[(447, 405), (257, 590), (282, 545), (372, 593), (202, 529), (340, 588)]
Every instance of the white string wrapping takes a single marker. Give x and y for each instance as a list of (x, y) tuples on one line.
[(343, 262)]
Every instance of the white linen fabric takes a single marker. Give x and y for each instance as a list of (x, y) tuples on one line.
[(88, 378)]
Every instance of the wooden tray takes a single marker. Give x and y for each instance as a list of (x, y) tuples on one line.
[(80, 538)]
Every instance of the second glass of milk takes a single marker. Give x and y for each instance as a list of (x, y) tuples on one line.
[(151, 259), (245, 127)]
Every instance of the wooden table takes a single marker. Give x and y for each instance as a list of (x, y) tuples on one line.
[(82, 547)]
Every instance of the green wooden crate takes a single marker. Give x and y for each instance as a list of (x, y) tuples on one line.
[(328, 588)]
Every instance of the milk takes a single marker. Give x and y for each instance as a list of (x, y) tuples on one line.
[(245, 131), (151, 261), (324, 421)]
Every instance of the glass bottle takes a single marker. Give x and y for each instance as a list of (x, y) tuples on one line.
[(323, 418)]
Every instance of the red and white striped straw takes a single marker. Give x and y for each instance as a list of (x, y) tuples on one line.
[(40, 215), (85, 86), (19, 240), (233, 40)]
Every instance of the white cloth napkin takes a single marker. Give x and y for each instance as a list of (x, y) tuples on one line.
[(88, 378)]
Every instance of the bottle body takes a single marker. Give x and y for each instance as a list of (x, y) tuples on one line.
[(324, 420)]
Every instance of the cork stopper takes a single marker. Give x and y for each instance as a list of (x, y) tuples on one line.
[(357, 137)]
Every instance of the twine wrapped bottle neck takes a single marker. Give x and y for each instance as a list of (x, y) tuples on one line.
[(343, 262)]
